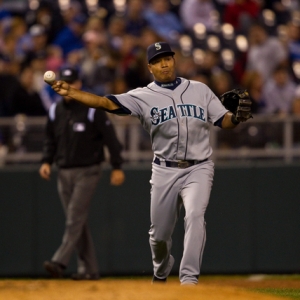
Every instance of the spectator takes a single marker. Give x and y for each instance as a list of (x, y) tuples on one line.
[(221, 82), (129, 65), (265, 52), (38, 65), (116, 30), (54, 58), (185, 66), (50, 18), (91, 62), (293, 41), (18, 30), (3, 150), (39, 42), (201, 78), (252, 81), (135, 21), (8, 49), (210, 63), (70, 37), (4, 13), (164, 22), (241, 14), (296, 104), (25, 100), (279, 92), (296, 112), (293, 46), (148, 37), (71, 10), (9, 71), (197, 11), (96, 24), (282, 9)]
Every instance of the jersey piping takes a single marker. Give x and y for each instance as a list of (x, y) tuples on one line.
[(176, 118), (186, 121)]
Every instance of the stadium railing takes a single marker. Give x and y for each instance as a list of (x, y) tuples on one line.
[(262, 138)]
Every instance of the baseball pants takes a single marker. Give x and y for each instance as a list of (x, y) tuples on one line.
[(170, 189), (76, 187)]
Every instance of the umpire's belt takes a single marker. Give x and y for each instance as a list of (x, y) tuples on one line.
[(182, 164)]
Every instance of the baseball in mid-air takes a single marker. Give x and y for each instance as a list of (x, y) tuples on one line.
[(49, 77)]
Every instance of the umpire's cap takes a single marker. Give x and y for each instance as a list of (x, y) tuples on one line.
[(69, 74), (157, 49)]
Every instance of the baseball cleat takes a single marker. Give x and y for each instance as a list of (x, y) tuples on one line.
[(158, 280), (54, 269)]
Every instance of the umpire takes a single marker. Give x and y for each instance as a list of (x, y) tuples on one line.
[(75, 137)]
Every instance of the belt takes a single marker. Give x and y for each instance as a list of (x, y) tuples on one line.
[(181, 164)]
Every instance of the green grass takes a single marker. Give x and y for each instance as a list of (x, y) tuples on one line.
[(291, 293)]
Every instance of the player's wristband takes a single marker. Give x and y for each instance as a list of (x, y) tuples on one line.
[(234, 120)]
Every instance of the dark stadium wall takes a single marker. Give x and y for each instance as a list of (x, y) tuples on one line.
[(253, 223)]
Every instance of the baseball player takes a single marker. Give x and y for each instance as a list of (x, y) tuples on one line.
[(177, 114)]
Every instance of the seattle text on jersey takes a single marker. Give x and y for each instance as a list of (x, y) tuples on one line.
[(159, 116)]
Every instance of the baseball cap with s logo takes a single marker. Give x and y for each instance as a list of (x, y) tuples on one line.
[(157, 46), (159, 49)]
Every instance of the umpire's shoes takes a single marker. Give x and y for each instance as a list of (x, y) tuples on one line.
[(54, 269), (85, 276), (156, 280)]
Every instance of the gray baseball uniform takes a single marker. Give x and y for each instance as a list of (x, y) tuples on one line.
[(182, 173)]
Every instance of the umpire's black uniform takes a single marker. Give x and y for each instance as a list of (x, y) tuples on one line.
[(75, 136)]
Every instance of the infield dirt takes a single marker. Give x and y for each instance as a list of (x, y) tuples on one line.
[(216, 288)]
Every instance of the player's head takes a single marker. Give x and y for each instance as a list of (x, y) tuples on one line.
[(71, 76), (161, 62)]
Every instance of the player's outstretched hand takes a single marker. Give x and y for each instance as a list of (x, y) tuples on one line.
[(61, 87)]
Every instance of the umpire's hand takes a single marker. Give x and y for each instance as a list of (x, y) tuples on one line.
[(117, 177), (45, 171)]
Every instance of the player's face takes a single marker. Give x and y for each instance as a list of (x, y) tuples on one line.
[(163, 69)]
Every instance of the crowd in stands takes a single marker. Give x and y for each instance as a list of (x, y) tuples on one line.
[(225, 44)]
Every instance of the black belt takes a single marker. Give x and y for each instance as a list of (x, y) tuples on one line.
[(181, 164)]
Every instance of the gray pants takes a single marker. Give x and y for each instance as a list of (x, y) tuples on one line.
[(172, 187), (76, 187)]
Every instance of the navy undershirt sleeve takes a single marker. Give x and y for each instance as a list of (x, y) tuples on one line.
[(122, 110), (219, 122)]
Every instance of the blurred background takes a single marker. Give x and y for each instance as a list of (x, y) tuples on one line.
[(225, 44), (254, 44)]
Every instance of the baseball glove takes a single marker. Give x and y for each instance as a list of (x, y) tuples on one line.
[(239, 103)]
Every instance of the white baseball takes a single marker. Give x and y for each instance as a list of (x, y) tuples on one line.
[(49, 77)]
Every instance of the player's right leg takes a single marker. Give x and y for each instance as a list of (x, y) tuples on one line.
[(164, 210)]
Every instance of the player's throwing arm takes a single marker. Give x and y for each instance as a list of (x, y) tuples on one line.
[(62, 88)]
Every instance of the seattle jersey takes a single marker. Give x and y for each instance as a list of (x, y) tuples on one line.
[(177, 120)]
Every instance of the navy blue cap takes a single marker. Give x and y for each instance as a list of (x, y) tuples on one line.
[(69, 74), (157, 49)]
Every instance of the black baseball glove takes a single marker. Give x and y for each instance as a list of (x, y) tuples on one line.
[(239, 103)]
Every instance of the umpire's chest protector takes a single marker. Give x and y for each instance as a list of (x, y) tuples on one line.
[(177, 120)]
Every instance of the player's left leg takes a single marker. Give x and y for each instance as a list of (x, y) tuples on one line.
[(195, 195)]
